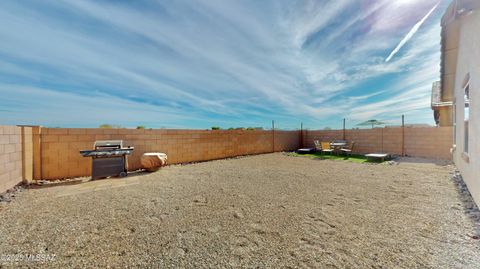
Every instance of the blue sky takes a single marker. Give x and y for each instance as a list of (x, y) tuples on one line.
[(197, 64)]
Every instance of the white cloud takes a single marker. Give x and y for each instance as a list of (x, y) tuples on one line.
[(226, 62), (43, 104)]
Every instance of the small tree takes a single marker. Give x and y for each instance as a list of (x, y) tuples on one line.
[(215, 128), (110, 126), (140, 127)]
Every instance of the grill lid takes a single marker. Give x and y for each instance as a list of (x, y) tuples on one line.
[(107, 148), (108, 144)]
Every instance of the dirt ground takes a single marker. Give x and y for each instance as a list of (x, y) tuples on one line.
[(265, 211)]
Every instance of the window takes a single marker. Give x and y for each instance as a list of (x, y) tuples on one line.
[(466, 116)]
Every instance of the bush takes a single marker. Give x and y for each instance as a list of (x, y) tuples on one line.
[(140, 127), (215, 128), (110, 126)]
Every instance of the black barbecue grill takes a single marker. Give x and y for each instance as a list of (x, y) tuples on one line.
[(109, 158)]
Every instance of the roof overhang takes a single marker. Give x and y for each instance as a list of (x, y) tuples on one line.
[(459, 8), (442, 104)]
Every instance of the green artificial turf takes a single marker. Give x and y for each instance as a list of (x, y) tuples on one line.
[(318, 155)]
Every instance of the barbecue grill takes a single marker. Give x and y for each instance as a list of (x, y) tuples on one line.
[(109, 158)]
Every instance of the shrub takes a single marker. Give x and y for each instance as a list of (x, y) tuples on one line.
[(110, 126)]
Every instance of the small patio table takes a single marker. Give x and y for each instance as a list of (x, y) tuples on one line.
[(337, 146)]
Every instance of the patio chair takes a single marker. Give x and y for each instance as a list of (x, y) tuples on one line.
[(348, 150), (318, 146), (326, 147)]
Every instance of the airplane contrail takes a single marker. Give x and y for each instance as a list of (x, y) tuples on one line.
[(410, 34)]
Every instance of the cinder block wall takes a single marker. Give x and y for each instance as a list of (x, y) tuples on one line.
[(10, 157), (52, 153), (60, 158), (428, 142)]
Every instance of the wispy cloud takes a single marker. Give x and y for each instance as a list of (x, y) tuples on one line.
[(203, 63)]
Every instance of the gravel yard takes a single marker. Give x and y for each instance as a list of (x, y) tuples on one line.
[(266, 211)]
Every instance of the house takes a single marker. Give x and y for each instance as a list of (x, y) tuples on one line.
[(456, 98)]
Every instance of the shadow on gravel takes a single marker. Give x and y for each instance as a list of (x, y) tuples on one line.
[(422, 160), (469, 206)]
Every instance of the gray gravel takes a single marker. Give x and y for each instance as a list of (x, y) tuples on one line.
[(265, 211)]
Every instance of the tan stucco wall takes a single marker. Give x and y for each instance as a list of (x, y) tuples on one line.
[(446, 116), (469, 63), (450, 43)]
